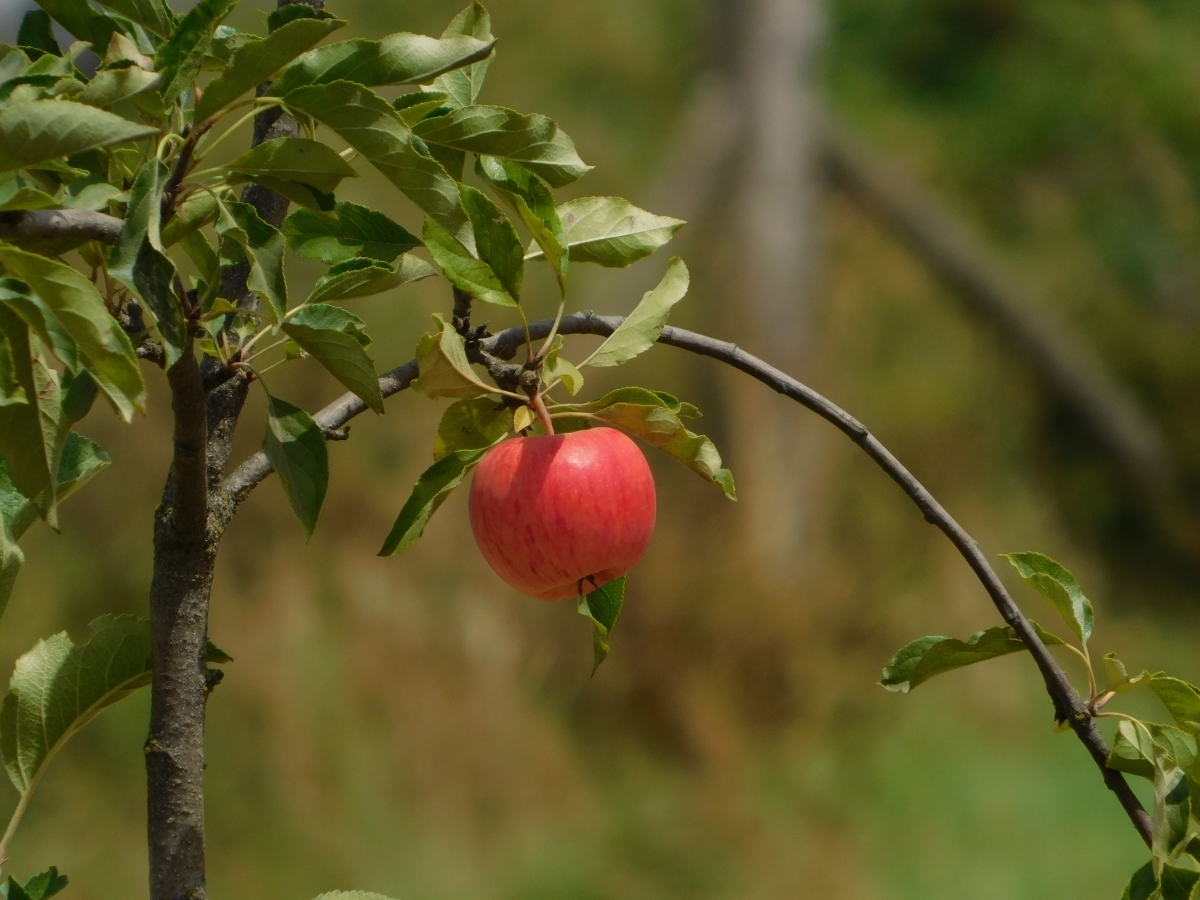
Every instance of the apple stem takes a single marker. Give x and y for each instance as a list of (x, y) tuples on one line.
[(543, 414)]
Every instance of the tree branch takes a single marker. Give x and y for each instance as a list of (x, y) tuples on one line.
[(60, 223), (1068, 705)]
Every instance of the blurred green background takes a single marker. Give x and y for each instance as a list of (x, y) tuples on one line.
[(410, 726)]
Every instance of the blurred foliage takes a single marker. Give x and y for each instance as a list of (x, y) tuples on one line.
[(410, 726)]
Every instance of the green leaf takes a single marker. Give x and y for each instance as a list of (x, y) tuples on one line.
[(1133, 750), (1056, 584), (533, 203), (11, 560), (464, 271), (180, 58), (369, 124), (556, 368), (81, 20), (17, 194), (646, 415), (79, 461), (43, 885), (36, 33), (473, 424), (334, 337), (920, 660), (1143, 885), (104, 348), (462, 86), (239, 224), (1177, 883), (603, 606), (137, 259), (114, 85), (430, 491), (356, 232), (445, 370), (300, 194), (17, 296), (1181, 699), (416, 106), (44, 130), (195, 212), (496, 240), (153, 15), (253, 63), (534, 141), (641, 328), (295, 159), (1172, 806), (363, 277), (296, 449), (31, 428), (352, 895), (202, 255), (401, 58), (610, 231), (1119, 680), (285, 15)]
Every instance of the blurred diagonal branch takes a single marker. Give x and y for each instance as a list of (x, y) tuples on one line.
[(1069, 707), (60, 223)]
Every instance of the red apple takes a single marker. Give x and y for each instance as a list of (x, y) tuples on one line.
[(549, 511)]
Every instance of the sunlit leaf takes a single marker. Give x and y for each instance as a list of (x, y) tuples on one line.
[(44, 130), (253, 63), (1181, 699), (462, 86), (920, 660), (195, 212), (533, 203), (1119, 679), (610, 231), (153, 15), (356, 232), (496, 240), (296, 449), (362, 277), (369, 124), (111, 86), (1056, 584), (641, 328), (558, 368), (445, 371), (534, 141), (336, 338), (181, 57)]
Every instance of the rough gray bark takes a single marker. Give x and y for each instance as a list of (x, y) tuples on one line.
[(206, 401)]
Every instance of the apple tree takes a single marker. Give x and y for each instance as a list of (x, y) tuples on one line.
[(131, 249)]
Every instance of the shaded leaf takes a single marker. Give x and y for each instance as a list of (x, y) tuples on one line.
[(464, 271), (400, 58), (195, 212), (17, 296), (1172, 806), (18, 194), (364, 277), (153, 15), (1119, 680), (41, 131), (285, 15), (473, 424), (111, 86), (646, 415), (1056, 584), (416, 106), (11, 560), (533, 203), (462, 86), (496, 240), (43, 885), (295, 159), (240, 225), (301, 194), (1143, 884), (36, 33), (920, 660), (534, 141), (81, 20), (1133, 748), (335, 338), (1177, 883), (603, 606), (357, 231), (296, 449), (137, 259), (610, 231), (369, 124), (255, 62), (351, 895), (445, 370), (641, 328), (430, 491), (181, 57)]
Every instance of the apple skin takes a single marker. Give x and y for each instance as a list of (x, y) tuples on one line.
[(548, 511)]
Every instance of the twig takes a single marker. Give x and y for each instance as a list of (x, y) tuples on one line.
[(60, 223), (1068, 705)]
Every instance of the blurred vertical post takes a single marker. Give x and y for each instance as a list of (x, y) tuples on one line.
[(770, 52)]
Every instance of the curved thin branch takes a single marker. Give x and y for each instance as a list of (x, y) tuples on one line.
[(1068, 705), (60, 223)]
